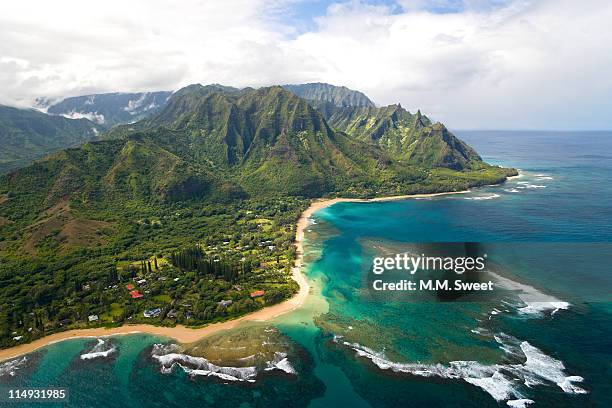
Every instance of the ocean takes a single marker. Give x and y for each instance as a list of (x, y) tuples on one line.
[(545, 339)]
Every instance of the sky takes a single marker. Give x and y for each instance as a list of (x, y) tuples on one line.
[(471, 64)]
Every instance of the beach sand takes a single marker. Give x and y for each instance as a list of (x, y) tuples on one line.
[(184, 334)]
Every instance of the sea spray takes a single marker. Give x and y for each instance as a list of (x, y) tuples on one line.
[(100, 350), (501, 381), (168, 357), (11, 366)]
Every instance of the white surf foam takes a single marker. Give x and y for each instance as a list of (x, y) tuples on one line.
[(520, 403), (9, 367), (486, 197), (280, 362), (202, 367), (550, 369), (511, 190), (99, 351), (501, 381), (199, 366), (534, 302)]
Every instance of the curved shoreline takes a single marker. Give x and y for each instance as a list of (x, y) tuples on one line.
[(184, 334)]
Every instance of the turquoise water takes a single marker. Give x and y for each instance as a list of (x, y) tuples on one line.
[(548, 231)]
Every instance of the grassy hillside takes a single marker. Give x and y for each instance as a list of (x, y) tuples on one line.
[(27, 134)]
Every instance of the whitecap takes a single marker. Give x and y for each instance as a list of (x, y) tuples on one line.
[(487, 197), (520, 403), (200, 366), (99, 351), (549, 368), (501, 381), (487, 377), (511, 190), (9, 367), (280, 362), (533, 302), (537, 308)]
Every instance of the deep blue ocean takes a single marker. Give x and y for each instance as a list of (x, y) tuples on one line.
[(543, 340)]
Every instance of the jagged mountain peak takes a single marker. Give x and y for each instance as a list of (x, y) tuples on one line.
[(339, 96), (205, 90)]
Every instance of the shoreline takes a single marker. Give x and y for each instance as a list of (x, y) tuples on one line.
[(184, 334)]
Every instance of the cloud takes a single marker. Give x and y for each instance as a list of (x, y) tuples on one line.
[(469, 63)]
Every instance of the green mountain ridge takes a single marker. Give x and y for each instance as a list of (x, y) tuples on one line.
[(410, 137), (27, 134), (259, 141), (219, 172), (110, 109), (338, 96)]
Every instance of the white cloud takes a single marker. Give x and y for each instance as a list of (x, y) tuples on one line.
[(520, 64)]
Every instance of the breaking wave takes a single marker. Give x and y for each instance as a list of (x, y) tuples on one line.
[(167, 356), (526, 184), (486, 197), (280, 362), (100, 350), (534, 303), (500, 381), (520, 403), (9, 367)]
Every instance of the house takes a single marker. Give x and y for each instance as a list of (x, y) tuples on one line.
[(152, 312), (135, 294), (129, 286), (258, 293), (17, 338), (225, 303), (92, 318), (171, 314), (142, 281)]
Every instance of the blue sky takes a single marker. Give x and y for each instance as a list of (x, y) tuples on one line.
[(499, 64), (304, 12)]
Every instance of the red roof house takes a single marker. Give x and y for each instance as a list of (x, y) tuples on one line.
[(135, 294), (257, 293), (129, 286)]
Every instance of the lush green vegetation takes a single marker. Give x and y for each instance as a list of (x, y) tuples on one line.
[(337, 96), (58, 284), (27, 134), (196, 206)]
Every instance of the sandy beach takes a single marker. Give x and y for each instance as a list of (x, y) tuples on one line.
[(184, 334)]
